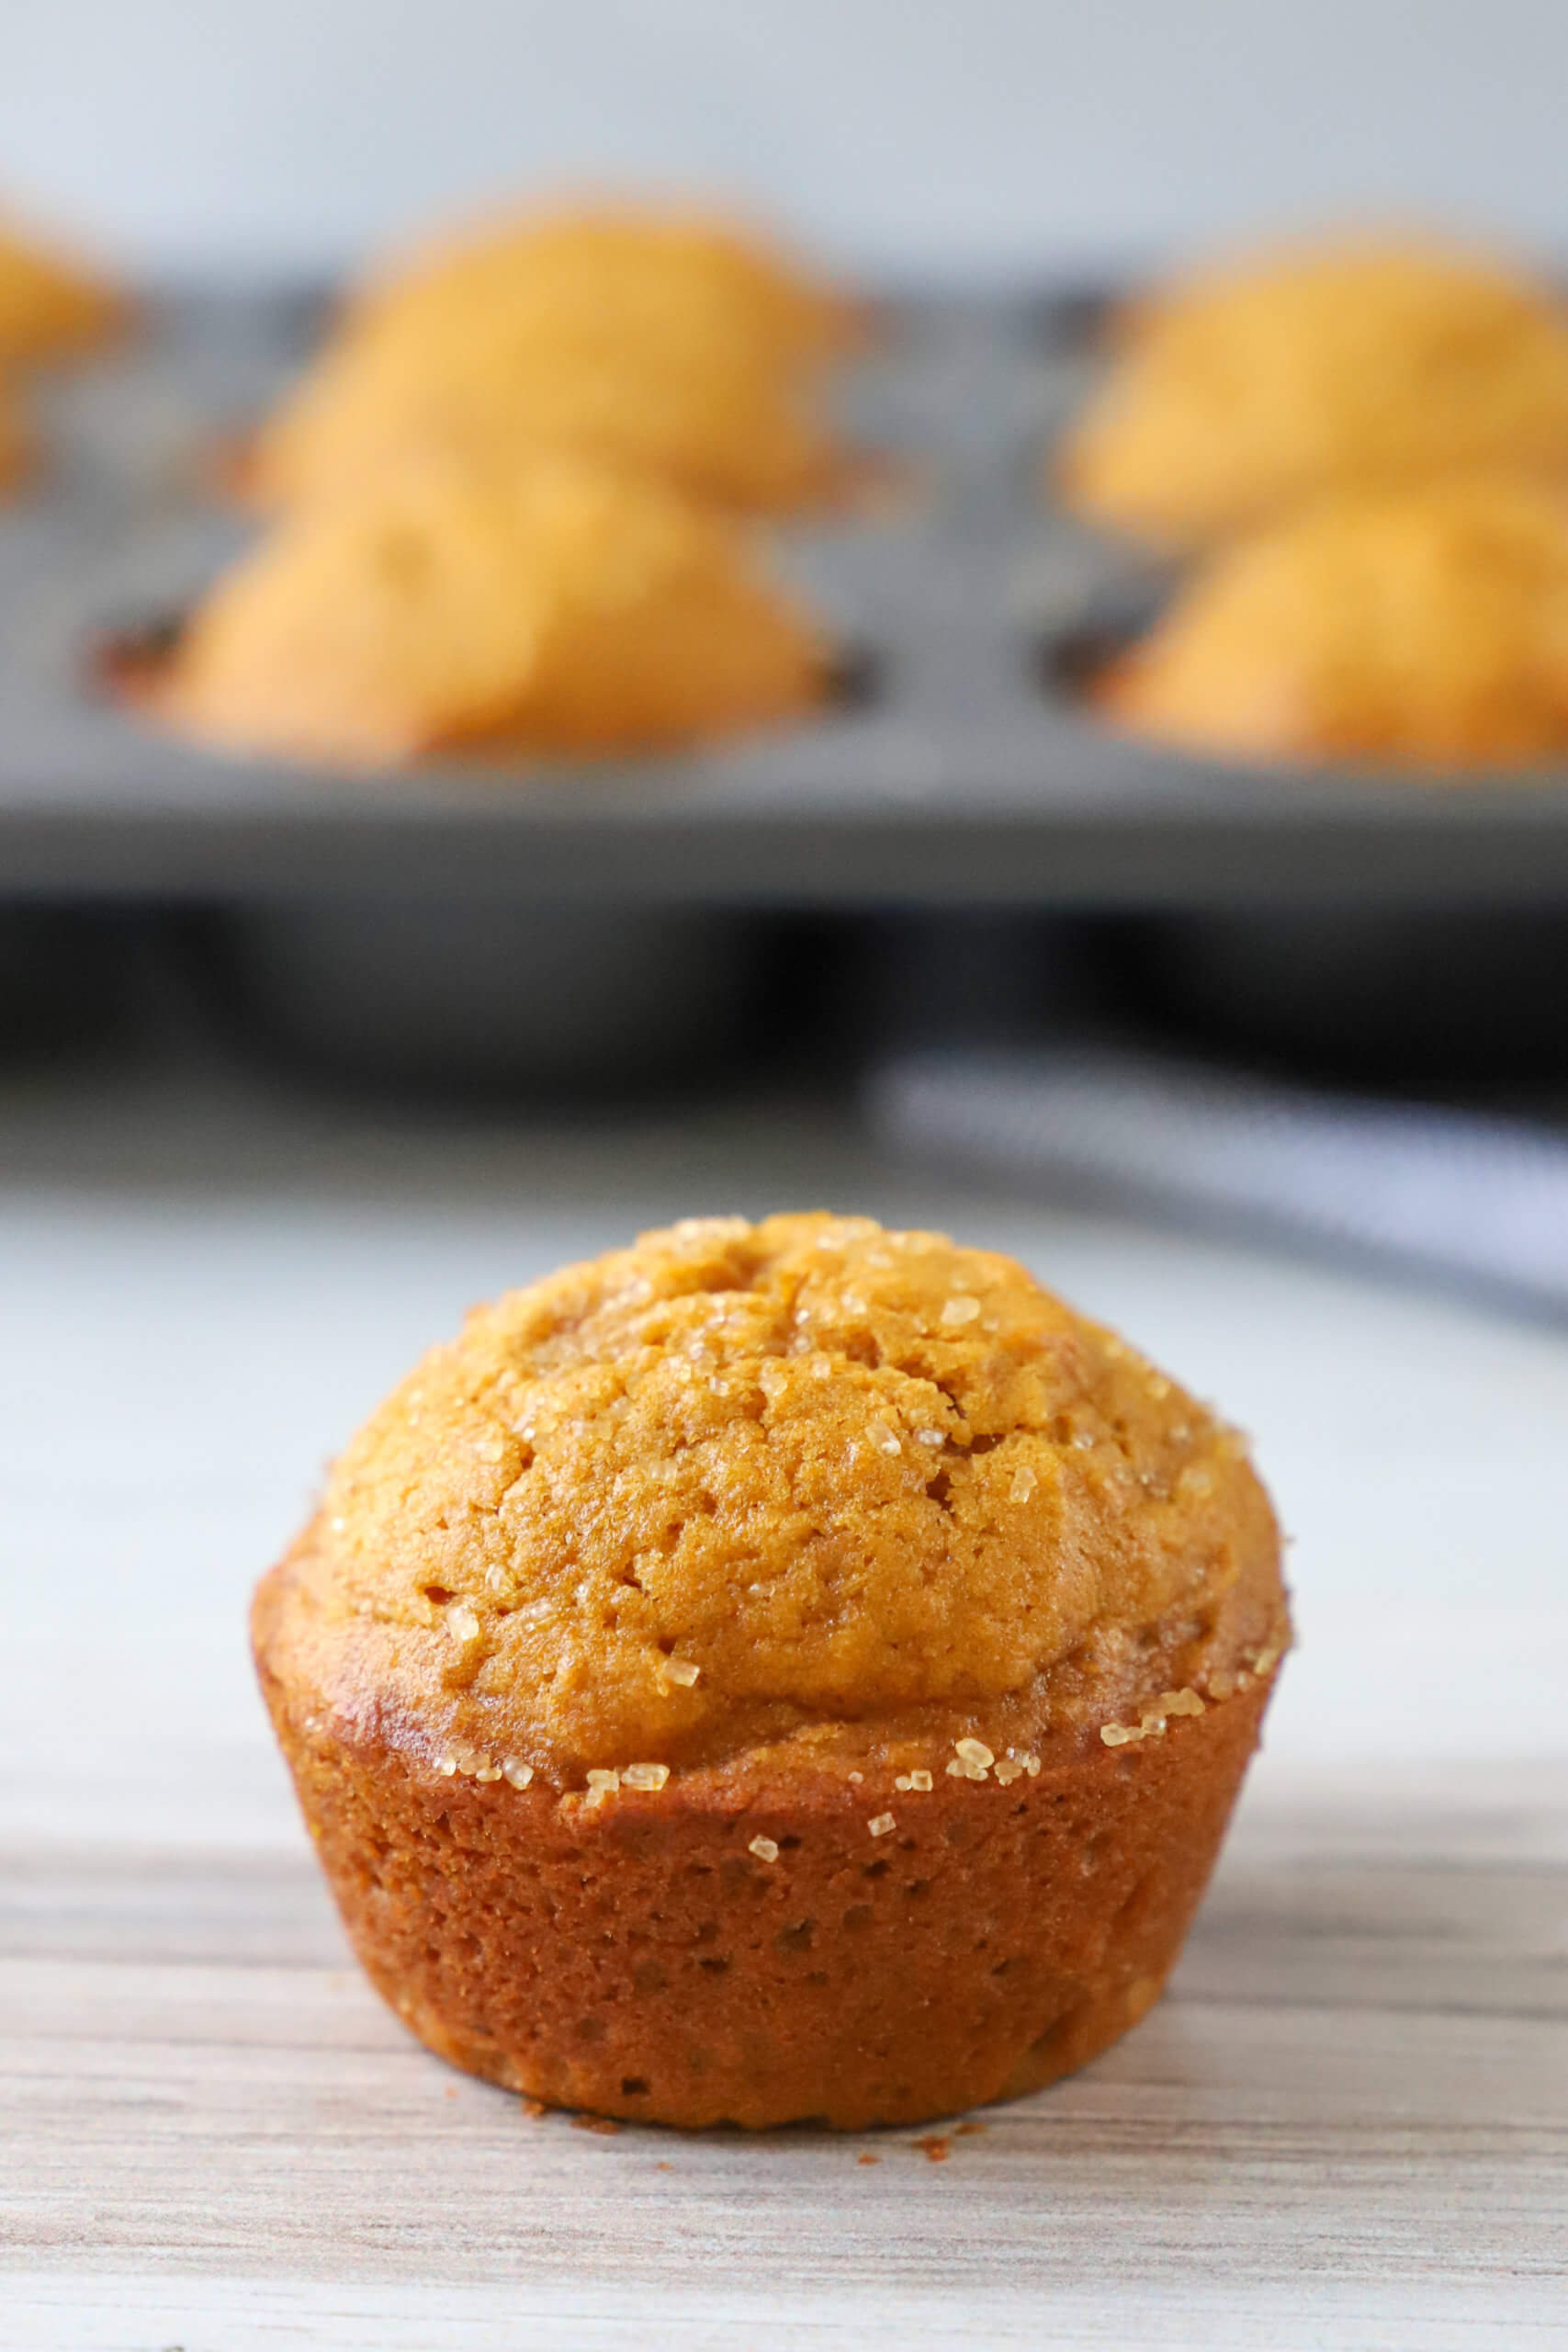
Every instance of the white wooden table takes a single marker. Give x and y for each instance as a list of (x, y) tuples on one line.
[(1347, 2125)]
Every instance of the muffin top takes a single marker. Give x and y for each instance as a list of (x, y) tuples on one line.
[(1426, 626), (552, 606), (664, 385), (558, 267), (805, 1483), (49, 307), (1249, 389)]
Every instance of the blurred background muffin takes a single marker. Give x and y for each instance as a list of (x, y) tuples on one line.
[(647, 338), (547, 604), (51, 306), (53, 309), (702, 409), (1426, 625), (1350, 363), (631, 258), (16, 444)]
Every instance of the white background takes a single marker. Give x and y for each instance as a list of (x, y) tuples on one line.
[(905, 134)]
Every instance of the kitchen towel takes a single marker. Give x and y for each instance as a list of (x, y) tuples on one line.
[(1473, 1196)]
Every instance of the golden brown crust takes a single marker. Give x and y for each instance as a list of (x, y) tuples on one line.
[(1354, 364), (805, 1483), (548, 607), (744, 1946), (1427, 627), (51, 308)]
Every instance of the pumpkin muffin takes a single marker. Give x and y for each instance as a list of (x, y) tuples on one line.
[(712, 419), (50, 308), (557, 268), (1425, 627), (554, 607), (1357, 365), (777, 1671), (631, 374)]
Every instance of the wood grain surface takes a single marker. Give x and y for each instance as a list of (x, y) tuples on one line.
[(1345, 2129), (1348, 2124)]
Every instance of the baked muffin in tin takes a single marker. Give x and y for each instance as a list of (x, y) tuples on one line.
[(661, 341), (548, 606), (1357, 363), (52, 307), (1419, 628), (555, 265)]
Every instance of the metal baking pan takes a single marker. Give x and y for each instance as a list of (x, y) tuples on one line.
[(69, 980), (1373, 996), (480, 997), (967, 775)]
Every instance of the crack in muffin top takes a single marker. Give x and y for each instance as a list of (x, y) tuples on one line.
[(741, 1482)]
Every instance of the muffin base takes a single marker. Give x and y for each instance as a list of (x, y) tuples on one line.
[(633, 1957)]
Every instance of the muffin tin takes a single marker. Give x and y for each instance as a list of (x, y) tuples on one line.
[(964, 772), (587, 924)]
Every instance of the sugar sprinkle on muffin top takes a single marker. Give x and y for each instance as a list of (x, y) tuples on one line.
[(805, 1480)]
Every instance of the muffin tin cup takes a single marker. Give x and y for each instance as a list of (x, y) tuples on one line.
[(69, 981), (1367, 996), (443, 995)]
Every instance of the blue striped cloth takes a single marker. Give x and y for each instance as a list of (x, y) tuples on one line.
[(1481, 1198)]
